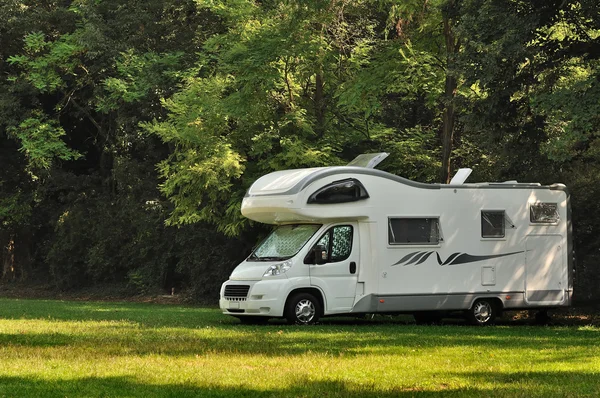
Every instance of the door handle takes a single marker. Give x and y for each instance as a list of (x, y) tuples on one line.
[(352, 267)]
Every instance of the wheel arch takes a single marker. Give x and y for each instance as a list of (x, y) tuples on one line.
[(310, 290), (497, 301)]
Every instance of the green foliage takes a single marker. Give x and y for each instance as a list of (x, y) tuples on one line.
[(288, 86), (14, 210), (571, 111), (118, 104), (137, 76), (46, 64), (41, 142)]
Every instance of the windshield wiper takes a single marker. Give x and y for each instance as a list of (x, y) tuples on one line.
[(254, 257)]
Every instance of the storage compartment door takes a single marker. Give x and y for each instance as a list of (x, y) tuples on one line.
[(546, 271)]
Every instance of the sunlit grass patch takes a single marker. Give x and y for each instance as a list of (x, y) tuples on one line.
[(73, 349)]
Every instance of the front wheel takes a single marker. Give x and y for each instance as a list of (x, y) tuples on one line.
[(303, 309), (483, 312)]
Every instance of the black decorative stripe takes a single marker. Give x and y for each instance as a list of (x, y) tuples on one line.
[(422, 260), (406, 258), (458, 258), (467, 258), (450, 259), (416, 258)]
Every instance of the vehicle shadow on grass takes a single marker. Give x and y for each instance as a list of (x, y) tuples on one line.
[(130, 387), (193, 317)]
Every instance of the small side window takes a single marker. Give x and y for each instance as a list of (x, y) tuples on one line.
[(348, 190), (492, 224), (337, 242), (414, 231), (544, 213)]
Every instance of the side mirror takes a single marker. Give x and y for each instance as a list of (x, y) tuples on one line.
[(320, 254)]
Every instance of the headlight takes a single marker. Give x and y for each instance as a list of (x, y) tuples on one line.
[(278, 269)]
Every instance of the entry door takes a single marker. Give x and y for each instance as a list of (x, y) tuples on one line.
[(546, 271), (337, 278)]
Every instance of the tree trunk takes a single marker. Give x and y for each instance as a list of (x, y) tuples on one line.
[(319, 104), (7, 240), (24, 252), (448, 115)]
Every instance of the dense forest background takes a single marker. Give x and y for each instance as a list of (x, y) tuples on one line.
[(130, 129)]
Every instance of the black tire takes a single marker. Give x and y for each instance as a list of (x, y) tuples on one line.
[(253, 320), (542, 317), (483, 312), (427, 318), (303, 309)]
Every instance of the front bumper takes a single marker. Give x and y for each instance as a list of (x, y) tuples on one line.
[(264, 298)]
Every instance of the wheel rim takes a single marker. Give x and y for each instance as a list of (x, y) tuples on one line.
[(482, 311), (305, 311)]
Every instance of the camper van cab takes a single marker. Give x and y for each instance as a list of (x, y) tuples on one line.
[(356, 240)]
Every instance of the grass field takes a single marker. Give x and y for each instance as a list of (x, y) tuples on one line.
[(83, 349)]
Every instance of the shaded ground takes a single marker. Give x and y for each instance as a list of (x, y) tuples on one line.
[(582, 314), (108, 292)]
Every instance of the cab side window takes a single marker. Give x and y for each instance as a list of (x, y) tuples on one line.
[(337, 242)]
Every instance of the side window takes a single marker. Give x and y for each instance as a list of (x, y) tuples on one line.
[(342, 243), (414, 231), (544, 213), (338, 243), (492, 224)]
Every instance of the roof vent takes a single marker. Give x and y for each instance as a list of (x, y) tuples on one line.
[(461, 176), (368, 160)]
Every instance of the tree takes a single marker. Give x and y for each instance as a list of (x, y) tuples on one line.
[(290, 84), (533, 67)]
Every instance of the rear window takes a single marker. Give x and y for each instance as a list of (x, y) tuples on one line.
[(544, 213)]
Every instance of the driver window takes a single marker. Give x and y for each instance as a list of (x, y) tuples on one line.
[(337, 242)]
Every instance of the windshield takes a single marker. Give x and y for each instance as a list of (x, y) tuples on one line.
[(284, 242)]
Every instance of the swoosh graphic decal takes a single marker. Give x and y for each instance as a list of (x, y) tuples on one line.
[(406, 258), (458, 258), (422, 260), (468, 258), (449, 259), (416, 258)]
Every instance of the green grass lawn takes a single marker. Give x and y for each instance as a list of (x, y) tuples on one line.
[(82, 349)]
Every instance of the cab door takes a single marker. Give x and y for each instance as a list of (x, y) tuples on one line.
[(337, 278)]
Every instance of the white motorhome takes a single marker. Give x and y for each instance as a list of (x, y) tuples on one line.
[(356, 240)]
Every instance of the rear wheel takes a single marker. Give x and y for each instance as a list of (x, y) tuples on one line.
[(303, 309), (483, 312), (542, 318)]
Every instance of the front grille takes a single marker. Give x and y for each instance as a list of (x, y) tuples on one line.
[(236, 292), (236, 298)]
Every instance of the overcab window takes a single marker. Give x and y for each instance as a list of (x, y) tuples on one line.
[(414, 231), (348, 190)]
